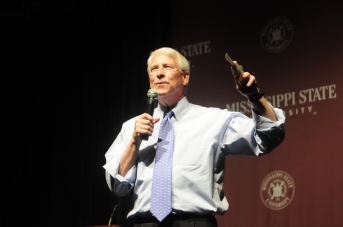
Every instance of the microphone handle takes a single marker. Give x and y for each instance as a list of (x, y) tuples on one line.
[(150, 107)]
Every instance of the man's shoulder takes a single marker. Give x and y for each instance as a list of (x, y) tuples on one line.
[(207, 110), (198, 107)]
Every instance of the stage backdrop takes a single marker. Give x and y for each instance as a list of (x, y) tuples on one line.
[(295, 50)]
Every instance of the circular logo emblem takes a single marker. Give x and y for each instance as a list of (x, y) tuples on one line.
[(277, 190), (276, 34)]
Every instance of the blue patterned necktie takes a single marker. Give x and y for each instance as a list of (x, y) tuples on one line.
[(161, 195)]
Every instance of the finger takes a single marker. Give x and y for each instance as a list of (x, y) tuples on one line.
[(142, 130), (145, 116), (234, 71), (238, 68), (143, 125), (246, 75), (250, 80)]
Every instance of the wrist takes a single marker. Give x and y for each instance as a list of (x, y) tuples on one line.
[(255, 97)]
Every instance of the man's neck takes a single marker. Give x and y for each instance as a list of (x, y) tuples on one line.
[(169, 103)]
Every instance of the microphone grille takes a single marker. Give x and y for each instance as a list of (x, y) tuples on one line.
[(152, 93)]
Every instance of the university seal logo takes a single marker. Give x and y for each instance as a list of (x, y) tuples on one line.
[(276, 34), (277, 190)]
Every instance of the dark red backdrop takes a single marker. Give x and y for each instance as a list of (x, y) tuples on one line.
[(304, 78)]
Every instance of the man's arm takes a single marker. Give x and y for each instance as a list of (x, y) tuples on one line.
[(263, 109), (144, 125), (129, 157)]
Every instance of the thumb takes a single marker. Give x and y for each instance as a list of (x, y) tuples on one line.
[(155, 120)]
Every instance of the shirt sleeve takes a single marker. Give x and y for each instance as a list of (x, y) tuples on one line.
[(269, 134), (256, 136), (120, 185)]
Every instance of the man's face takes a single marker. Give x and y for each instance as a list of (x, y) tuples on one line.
[(167, 78)]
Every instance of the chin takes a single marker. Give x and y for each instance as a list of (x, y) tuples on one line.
[(162, 91)]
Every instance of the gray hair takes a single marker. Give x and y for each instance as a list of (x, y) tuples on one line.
[(182, 62)]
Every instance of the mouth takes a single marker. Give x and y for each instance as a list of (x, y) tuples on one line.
[(160, 83)]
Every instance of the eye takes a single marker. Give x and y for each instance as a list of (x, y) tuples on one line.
[(169, 67), (153, 69)]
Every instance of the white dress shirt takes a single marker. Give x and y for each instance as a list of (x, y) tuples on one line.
[(203, 137)]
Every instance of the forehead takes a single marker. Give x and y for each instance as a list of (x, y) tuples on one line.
[(163, 59)]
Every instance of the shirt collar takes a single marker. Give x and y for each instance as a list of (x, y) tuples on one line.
[(179, 109)]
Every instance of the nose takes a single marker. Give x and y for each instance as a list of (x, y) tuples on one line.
[(160, 73)]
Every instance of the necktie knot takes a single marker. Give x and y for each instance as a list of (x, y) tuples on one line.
[(169, 114)]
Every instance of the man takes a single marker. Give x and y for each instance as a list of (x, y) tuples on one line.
[(201, 138)]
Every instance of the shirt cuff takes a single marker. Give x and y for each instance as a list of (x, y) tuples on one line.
[(123, 185), (265, 124)]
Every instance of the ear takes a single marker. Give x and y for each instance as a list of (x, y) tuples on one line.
[(185, 76)]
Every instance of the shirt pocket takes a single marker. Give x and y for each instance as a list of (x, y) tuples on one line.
[(193, 154), (184, 161)]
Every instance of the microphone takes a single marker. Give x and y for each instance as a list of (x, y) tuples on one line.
[(151, 104)]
